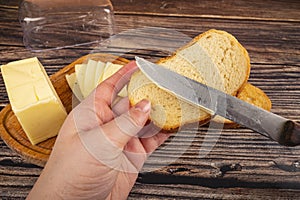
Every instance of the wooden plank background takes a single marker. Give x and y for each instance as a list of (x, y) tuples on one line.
[(243, 164)]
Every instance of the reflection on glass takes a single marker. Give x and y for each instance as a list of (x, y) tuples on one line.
[(65, 23)]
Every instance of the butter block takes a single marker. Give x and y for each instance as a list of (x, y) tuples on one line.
[(33, 99)]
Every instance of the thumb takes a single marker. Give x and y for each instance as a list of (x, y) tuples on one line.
[(124, 127)]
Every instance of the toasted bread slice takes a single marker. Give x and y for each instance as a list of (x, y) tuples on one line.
[(214, 58)]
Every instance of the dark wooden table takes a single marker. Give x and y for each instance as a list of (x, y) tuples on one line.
[(243, 164)]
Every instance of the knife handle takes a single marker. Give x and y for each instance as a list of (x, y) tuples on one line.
[(291, 134)]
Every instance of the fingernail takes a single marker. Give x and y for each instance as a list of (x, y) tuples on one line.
[(143, 106)]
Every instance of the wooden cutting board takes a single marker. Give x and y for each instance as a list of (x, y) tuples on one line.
[(11, 131)]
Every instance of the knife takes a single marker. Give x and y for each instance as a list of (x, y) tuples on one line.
[(284, 131)]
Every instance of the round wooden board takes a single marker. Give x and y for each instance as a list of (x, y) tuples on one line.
[(11, 131)]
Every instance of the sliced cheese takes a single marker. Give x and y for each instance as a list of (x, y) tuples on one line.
[(89, 78), (81, 81), (109, 70), (99, 73), (72, 82), (33, 99), (80, 70)]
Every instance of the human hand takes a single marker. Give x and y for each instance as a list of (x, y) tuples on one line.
[(101, 147)]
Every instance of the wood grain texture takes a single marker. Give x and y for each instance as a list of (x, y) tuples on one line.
[(242, 164), (240, 157), (230, 9), (179, 191)]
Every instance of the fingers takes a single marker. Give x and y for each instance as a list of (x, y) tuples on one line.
[(137, 149), (152, 143), (95, 109), (106, 143), (108, 89), (151, 137), (121, 106), (123, 128)]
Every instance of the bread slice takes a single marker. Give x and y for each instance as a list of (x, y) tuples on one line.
[(214, 58), (255, 96), (252, 95)]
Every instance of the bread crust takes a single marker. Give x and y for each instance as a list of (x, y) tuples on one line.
[(207, 33), (250, 94)]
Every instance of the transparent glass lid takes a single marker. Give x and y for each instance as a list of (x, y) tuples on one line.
[(59, 24)]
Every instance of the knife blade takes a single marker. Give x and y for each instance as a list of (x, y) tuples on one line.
[(284, 131)]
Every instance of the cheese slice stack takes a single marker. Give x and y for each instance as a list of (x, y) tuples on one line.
[(33, 99), (88, 76)]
